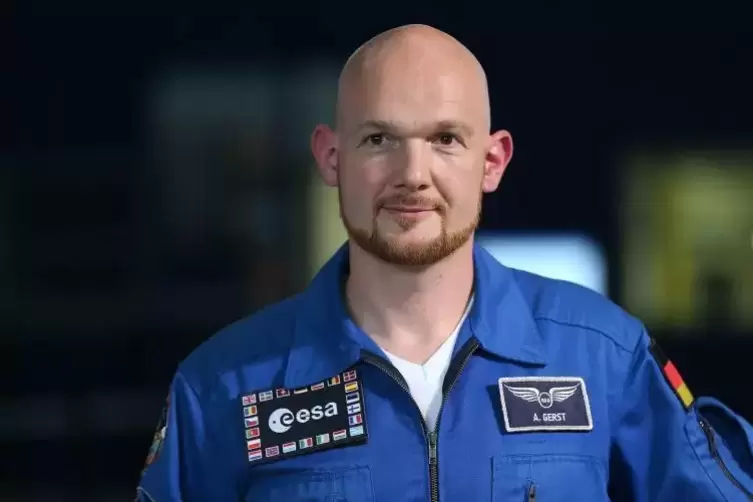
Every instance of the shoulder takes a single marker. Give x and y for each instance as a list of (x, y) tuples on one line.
[(569, 308), (256, 346)]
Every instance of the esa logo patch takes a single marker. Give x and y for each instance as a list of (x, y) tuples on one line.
[(545, 404), (282, 423), (282, 419)]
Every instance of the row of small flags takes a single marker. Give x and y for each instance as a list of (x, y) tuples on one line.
[(348, 377), (256, 452)]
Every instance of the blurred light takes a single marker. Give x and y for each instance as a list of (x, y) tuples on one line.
[(686, 237), (327, 232), (572, 258)]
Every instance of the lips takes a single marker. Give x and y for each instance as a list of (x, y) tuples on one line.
[(408, 209)]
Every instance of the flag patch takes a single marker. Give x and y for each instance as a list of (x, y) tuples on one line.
[(354, 408), (266, 396), (160, 435), (282, 393), (286, 422), (250, 399), (355, 419), (672, 375)]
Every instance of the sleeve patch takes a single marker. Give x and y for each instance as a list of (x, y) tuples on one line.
[(672, 376), (159, 435)]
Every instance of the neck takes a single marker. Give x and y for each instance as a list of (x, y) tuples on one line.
[(409, 312)]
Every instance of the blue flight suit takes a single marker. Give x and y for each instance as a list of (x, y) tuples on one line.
[(554, 394)]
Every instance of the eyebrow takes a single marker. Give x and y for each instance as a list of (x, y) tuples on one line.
[(394, 127)]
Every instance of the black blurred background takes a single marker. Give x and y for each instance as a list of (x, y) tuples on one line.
[(155, 185)]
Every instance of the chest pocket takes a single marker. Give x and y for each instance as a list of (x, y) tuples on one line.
[(347, 485), (548, 478)]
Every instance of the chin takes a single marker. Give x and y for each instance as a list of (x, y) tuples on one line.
[(411, 239)]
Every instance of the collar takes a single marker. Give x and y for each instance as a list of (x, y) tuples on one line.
[(327, 341)]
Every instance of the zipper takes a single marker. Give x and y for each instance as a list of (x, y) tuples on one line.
[(453, 372), (532, 492), (709, 431), (431, 437), (433, 472)]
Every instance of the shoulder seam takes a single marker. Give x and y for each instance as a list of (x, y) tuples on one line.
[(589, 328), (140, 490), (188, 383)]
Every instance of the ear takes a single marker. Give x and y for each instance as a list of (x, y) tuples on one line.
[(324, 148), (497, 159)]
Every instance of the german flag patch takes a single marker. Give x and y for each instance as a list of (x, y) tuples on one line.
[(672, 375)]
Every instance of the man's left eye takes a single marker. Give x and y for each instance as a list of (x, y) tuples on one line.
[(445, 139)]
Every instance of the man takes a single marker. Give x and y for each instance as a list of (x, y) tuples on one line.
[(416, 367)]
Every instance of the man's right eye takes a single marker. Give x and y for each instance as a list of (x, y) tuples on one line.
[(375, 140)]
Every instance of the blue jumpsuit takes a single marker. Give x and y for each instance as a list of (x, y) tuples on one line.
[(553, 394)]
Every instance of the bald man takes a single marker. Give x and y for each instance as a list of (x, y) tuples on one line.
[(417, 368)]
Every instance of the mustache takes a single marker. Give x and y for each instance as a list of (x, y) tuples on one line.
[(411, 200)]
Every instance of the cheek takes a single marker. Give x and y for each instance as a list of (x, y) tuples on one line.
[(372, 171), (363, 179), (464, 207), (460, 184), (357, 195)]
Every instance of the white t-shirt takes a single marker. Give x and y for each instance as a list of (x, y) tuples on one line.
[(425, 380)]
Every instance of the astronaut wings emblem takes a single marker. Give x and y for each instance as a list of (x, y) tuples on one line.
[(545, 403), (545, 399)]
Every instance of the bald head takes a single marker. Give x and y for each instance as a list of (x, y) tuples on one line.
[(412, 153), (418, 57)]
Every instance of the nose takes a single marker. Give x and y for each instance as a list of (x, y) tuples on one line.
[(413, 168)]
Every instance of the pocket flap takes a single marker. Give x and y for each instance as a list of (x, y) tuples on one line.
[(346, 485)]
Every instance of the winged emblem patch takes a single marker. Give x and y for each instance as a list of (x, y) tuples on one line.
[(536, 403), (545, 399)]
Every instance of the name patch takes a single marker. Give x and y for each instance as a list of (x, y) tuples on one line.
[(545, 404), (283, 423)]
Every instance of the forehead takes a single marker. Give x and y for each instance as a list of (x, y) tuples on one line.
[(414, 90), (413, 94)]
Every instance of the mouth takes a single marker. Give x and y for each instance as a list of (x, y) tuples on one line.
[(407, 209), (412, 213)]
